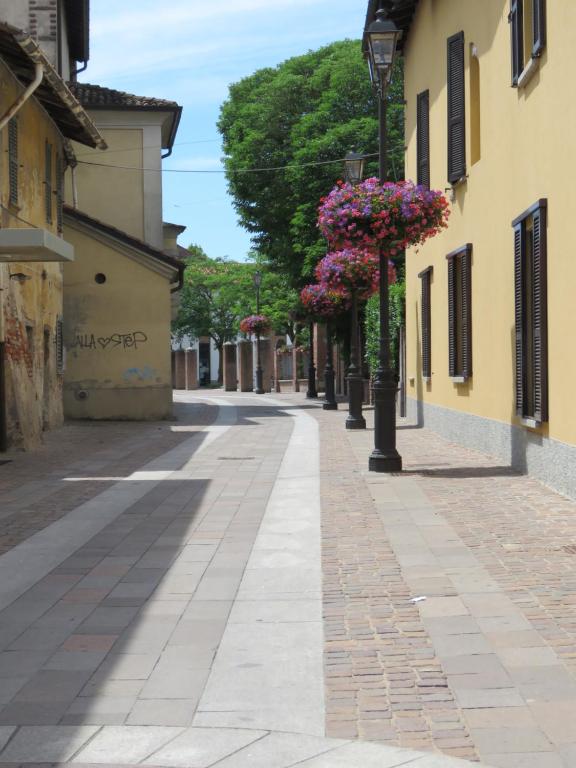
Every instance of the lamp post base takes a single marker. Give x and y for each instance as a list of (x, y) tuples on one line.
[(329, 406), (355, 419), (312, 392), (259, 382), (380, 461)]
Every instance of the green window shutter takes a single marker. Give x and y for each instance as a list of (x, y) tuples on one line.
[(540, 316), (516, 19), (48, 182), (13, 163), (426, 328), (456, 109), (466, 312), (59, 193), (519, 310), (538, 27), (423, 138), (451, 318)]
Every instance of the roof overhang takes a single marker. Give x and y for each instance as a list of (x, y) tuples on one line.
[(21, 53), (33, 245), (401, 14), (170, 120)]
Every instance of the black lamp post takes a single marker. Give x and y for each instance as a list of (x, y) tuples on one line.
[(312, 391), (382, 36), (330, 403), (259, 377), (354, 171)]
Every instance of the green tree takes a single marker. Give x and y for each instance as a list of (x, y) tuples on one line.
[(218, 293), (311, 108)]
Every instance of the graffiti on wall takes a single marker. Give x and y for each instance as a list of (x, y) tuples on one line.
[(92, 342)]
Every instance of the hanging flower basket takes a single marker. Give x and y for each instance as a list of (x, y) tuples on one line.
[(370, 215), (352, 269), (320, 301), (256, 324)]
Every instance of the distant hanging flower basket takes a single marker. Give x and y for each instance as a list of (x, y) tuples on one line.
[(352, 269), (257, 324), (320, 301), (370, 215)]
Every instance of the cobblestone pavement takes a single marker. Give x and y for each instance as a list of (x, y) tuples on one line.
[(483, 662), (170, 613), (31, 489)]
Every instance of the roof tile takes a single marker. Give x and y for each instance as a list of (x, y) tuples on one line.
[(96, 96)]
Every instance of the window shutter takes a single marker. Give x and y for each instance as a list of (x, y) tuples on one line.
[(539, 27), (60, 362), (456, 109), (13, 160), (540, 316), (451, 318), (426, 324), (48, 182), (423, 138), (516, 20), (59, 193), (519, 315), (466, 310)]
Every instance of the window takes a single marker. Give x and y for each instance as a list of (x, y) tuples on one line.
[(528, 35), (423, 138), (460, 313), (456, 109), (475, 116), (425, 276), (48, 182), (531, 314), (13, 161)]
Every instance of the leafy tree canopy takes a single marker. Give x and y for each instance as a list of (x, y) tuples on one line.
[(311, 108), (218, 293)]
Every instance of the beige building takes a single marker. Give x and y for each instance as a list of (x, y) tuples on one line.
[(490, 300), (117, 309), (38, 118), (119, 293)]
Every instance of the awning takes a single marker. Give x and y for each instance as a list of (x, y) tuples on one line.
[(33, 245)]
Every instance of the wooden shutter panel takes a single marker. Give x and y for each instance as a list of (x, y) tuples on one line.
[(538, 27), (516, 19), (13, 160), (59, 193), (48, 182), (466, 311), (426, 324), (456, 109), (423, 138), (59, 346), (519, 316), (540, 316), (451, 318)]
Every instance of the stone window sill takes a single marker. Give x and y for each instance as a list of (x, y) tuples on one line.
[(458, 379), (530, 423), (528, 72)]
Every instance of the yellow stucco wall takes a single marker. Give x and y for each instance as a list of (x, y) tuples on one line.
[(33, 386), (527, 152), (117, 335), (123, 207)]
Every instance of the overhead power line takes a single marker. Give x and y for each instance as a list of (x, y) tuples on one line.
[(224, 170)]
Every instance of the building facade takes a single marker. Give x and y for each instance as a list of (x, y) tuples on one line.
[(489, 300), (39, 116)]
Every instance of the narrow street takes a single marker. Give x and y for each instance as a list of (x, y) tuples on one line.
[(234, 589)]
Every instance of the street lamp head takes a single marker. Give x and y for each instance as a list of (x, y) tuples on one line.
[(257, 279), (354, 167), (383, 36)]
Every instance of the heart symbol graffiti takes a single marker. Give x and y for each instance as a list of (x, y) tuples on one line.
[(104, 342)]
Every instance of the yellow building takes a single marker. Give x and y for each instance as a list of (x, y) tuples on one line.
[(38, 117), (120, 290), (117, 310), (489, 117)]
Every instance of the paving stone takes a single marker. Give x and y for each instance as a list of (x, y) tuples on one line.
[(126, 745), (179, 712), (44, 744)]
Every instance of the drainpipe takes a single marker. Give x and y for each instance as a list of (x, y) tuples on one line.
[(74, 189), (23, 98)]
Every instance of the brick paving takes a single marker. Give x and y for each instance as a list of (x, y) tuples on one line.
[(32, 492), (383, 679)]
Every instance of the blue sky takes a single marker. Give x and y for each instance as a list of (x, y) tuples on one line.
[(190, 51)]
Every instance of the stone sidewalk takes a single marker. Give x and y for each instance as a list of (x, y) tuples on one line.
[(170, 613)]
